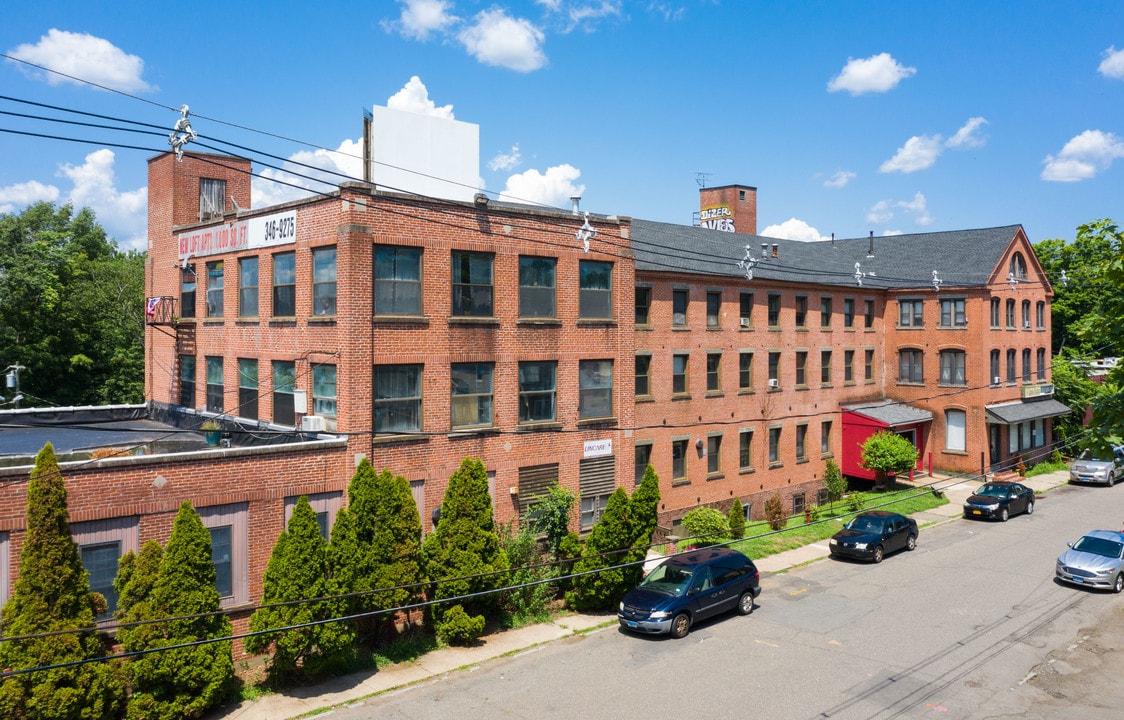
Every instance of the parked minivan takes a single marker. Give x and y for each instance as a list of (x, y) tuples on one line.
[(690, 587)]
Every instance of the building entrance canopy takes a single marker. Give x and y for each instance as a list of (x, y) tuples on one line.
[(1012, 413)]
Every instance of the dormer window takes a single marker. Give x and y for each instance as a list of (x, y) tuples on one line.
[(1018, 267)]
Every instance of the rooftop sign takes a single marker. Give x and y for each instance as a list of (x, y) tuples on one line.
[(255, 232)]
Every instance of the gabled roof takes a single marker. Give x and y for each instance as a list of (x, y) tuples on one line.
[(892, 414), (964, 258)]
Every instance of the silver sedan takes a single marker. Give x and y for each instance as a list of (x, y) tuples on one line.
[(1096, 560)]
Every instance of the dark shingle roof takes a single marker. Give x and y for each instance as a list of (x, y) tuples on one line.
[(1022, 410), (964, 258), (894, 414)]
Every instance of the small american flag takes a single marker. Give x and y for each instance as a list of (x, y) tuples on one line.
[(150, 307)]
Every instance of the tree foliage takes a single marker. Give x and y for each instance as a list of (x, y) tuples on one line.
[(1074, 389), (52, 594), (550, 516), (299, 569), (71, 308), (1105, 327), (833, 480), (608, 546), (774, 512), (736, 520), (705, 525), (887, 453)]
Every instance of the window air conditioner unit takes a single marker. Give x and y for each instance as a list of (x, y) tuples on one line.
[(774, 383), (995, 380), (312, 423), (745, 322), (1026, 325)]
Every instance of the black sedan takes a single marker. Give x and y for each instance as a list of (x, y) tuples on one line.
[(999, 501), (871, 535)]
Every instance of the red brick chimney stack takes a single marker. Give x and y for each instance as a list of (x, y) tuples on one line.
[(732, 208)]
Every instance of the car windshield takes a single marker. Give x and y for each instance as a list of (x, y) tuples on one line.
[(668, 578), (1089, 455), (995, 491), (1099, 546), (865, 524)]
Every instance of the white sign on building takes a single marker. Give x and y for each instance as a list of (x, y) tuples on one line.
[(598, 448), (255, 232)]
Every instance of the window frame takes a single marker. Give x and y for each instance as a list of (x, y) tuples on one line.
[(714, 454), (212, 199), (248, 394), (188, 376), (643, 307), (801, 368), (643, 375), (236, 517), (825, 311), (592, 300), (801, 311), (953, 313), (773, 312), (680, 305), (324, 287), (911, 313), (324, 378), (471, 295), (679, 460), (745, 370), (745, 309), (284, 285), (248, 297), (951, 435), (683, 376), (411, 399), (954, 367), (713, 309), (531, 396), (215, 389), (284, 390), (745, 449), (482, 380), (825, 366), (714, 372), (394, 285), (913, 361), (595, 397), (216, 286), (775, 446)]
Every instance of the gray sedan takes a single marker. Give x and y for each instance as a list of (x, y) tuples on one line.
[(1096, 560)]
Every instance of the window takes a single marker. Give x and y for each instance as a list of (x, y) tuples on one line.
[(643, 306), (537, 287), (825, 437), (745, 309), (745, 449), (801, 311), (214, 288), (910, 313), (825, 367), (995, 312), (745, 370), (713, 372), (679, 374), (325, 505), (868, 365), (1018, 266), (284, 285), (952, 313), (214, 384), (1040, 315), (324, 390), (774, 369), (1026, 365), (537, 391), (713, 309), (101, 543), (825, 312), (187, 381), (774, 445), (952, 367), (248, 287), (911, 366), (1026, 314), (212, 199), (679, 308), (472, 284), (1011, 313), (1041, 352), (324, 281), (868, 314), (801, 368), (284, 383), (801, 448), (643, 452), (595, 389), (848, 312), (228, 526), (643, 376), (774, 310), (472, 394), (955, 434), (397, 398), (848, 366), (798, 503), (679, 459), (714, 454), (1012, 372), (398, 280), (995, 376), (222, 558), (248, 388), (187, 291), (595, 300)]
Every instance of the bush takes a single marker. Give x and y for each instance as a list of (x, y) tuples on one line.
[(856, 502), (526, 602), (457, 627), (608, 546), (736, 518), (550, 515), (568, 553), (774, 512), (706, 526), (833, 480)]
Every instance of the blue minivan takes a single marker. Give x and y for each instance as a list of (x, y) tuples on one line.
[(690, 587)]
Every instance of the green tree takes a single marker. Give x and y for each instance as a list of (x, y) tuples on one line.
[(606, 548), (833, 481), (1074, 389), (1105, 328), (550, 516), (530, 595), (183, 682), (464, 555), (52, 594), (736, 520), (137, 575), (643, 514), (299, 570), (706, 526), (71, 308), (887, 453), (774, 512)]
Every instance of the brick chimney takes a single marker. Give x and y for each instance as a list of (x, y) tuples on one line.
[(732, 208)]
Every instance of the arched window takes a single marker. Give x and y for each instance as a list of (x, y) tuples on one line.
[(1018, 266), (995, 312)]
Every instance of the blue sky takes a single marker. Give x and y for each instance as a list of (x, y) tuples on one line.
[(848, 117)]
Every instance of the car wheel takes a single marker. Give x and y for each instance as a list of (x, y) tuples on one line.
[(1111, 479), (681, 625), (1003, 515), (745, 603), (878, 554), (911, 543), (1119, 584), (1030, 508)]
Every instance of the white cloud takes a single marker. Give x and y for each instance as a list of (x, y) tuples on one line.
[(297, 181), (84, 57), (1113, 64), (497, 39), (793, 229), (839, 179), (966, 136), (883, 211), (505, 161), (1083, 156), (18, 196), (420, 18), (585, 14), (414, 97), (877, 73), (554, 188), (891, 233), (124, 215), (917, 207), (918, 153)]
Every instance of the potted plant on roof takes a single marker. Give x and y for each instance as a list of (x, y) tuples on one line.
[(210, 429)]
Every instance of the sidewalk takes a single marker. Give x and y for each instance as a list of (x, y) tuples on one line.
[(353, 688)]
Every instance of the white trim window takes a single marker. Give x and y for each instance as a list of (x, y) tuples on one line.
[(101, 543), (956, 430)]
